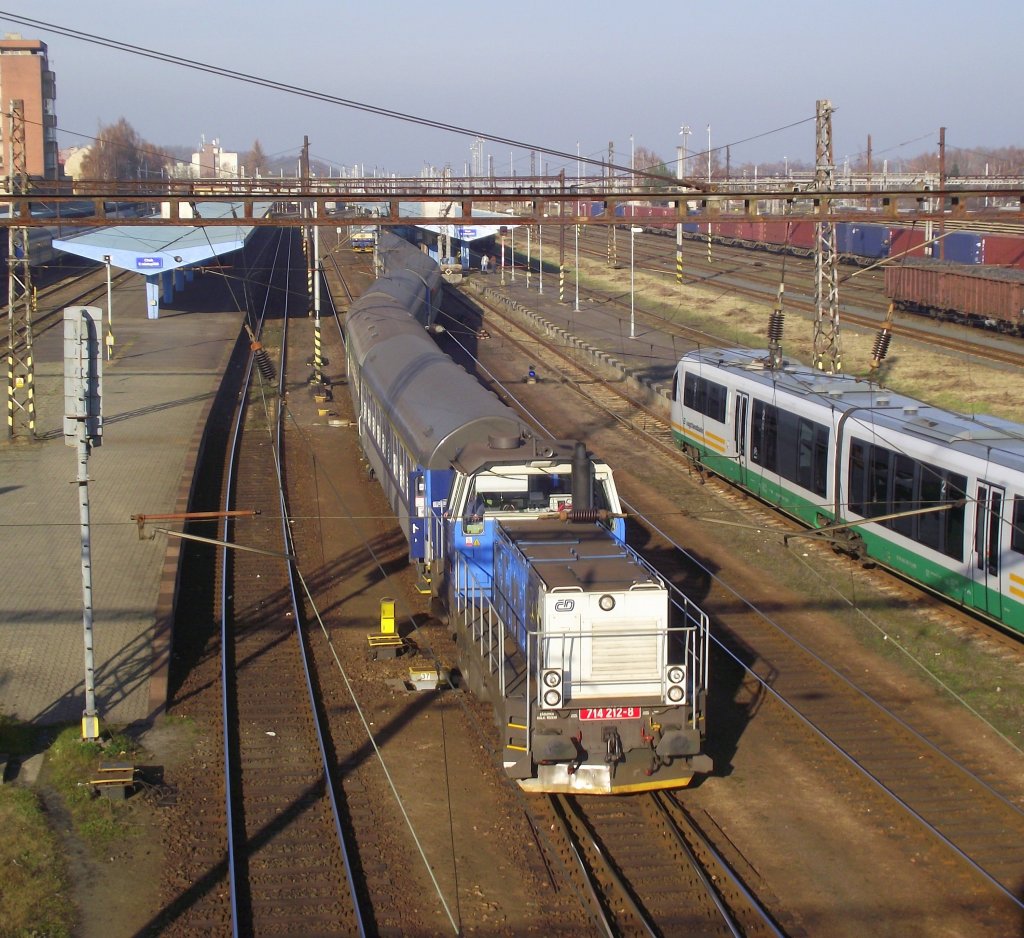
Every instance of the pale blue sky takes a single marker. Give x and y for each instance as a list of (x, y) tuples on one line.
[(547, 73)]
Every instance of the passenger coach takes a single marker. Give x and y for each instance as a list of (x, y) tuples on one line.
[(934, 495)]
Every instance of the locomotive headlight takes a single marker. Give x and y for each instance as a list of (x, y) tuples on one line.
[(675, 681), (551, 681), (607, 602), (552, 699)]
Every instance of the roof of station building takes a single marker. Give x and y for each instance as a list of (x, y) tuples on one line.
[(148, 249)]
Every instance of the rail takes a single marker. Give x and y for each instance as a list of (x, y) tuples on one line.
[(238, 844)]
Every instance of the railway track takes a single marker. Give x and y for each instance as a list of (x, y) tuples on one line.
[(670, 881), (914, 766), (289, 868), (863, 305), (87, 288), (603, 386)]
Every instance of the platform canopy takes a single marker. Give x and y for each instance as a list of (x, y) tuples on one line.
[(490, 223), (159, 251)]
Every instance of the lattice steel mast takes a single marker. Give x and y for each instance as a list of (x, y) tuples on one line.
[(827, 350), (21, 405)]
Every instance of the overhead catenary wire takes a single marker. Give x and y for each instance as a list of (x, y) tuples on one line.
[(275, 85)]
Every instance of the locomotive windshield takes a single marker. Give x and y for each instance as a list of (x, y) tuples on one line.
[(532, 492)]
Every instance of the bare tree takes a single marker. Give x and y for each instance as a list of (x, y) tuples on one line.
[(118, 153), (255, 160)]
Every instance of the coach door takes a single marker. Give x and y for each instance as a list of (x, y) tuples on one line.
[(739, 431), (987, 548)]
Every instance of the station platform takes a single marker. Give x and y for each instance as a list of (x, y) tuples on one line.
[(157, 388)]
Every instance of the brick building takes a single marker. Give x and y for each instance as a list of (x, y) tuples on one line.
[(25, 74)]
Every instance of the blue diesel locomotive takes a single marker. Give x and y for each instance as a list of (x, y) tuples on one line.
[(596, 671)]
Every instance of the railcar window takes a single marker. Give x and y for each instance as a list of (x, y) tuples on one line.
[(884, 482), (705, 397), (1017, 535), (794, 447), (903, 478), (764, 436)]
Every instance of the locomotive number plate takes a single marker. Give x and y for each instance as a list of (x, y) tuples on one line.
[(609, 713)]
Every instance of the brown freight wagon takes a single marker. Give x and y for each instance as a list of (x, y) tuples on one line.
[(981, 296)]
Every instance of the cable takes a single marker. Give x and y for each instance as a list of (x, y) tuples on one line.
[(282, 86), (275, 85)]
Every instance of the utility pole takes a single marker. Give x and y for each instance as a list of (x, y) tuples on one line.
[(83, 429), (684, 132), (942, 187), (21, 402), (561, 239), (827, 354), (613, 260)]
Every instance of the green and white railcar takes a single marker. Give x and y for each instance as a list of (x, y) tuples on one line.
[(934, 495)]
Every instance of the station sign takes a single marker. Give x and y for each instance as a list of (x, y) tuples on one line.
[(149, 263)]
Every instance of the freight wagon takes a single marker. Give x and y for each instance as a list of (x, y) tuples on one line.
[(981, 296)]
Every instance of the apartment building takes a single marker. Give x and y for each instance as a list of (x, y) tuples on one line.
[(25, 75)]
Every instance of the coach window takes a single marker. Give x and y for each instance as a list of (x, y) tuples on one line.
[(931, 527), (903, 494), (858, 477), (706, 397), (884, 482), (878, 482), (954, 489), (765, 434), (1017, 535)]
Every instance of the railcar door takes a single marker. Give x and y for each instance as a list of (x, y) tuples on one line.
[(988, 548), (740, 419)]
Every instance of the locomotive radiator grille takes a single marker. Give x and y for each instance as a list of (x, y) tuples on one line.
[(623, 651)]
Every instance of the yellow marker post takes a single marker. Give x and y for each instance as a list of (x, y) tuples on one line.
[(387, 616), (90, 726)]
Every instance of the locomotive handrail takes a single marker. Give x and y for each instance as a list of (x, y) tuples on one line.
[(488, 631)]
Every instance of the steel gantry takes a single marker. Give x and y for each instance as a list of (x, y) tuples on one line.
[(521, 200)]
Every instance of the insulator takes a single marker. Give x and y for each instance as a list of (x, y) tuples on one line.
[(263, 362), (585, 515), (776, 325), (881, 346)]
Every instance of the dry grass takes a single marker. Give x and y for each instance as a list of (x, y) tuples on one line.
[(934, 376), (33, 885)]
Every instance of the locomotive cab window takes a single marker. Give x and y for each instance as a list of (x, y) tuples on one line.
[(526, 493)]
